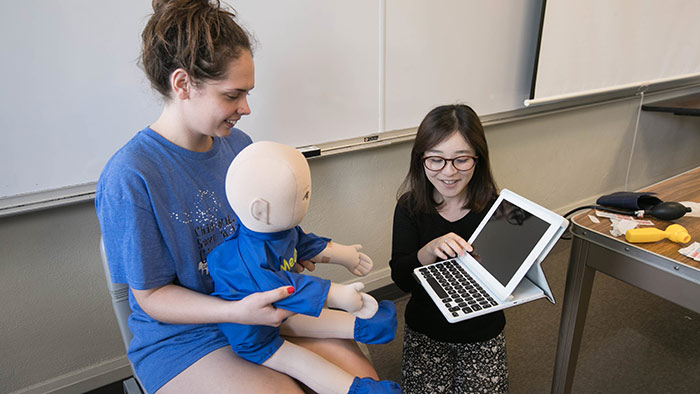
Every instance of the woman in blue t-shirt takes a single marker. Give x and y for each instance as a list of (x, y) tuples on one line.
[(162, 208)]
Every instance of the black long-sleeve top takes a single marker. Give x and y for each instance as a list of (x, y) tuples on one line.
[(411, 232)]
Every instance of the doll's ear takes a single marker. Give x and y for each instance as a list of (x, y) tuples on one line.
[(260, 210)]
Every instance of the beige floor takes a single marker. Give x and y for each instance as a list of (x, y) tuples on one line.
[(633, 342)]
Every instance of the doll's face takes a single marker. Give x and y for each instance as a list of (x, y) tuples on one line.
[(269, 187), (302, 202)]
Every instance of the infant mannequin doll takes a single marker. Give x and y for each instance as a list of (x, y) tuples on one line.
[(269, 186)]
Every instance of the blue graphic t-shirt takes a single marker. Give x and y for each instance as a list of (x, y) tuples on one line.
[(162, 209), (249, 262)]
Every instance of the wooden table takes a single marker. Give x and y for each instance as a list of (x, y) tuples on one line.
[(654, 267), (683, 105)]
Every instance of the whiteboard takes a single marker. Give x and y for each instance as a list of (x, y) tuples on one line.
[(325, 71), (316, 69), (600, 45), (479, 53), (72, 93)]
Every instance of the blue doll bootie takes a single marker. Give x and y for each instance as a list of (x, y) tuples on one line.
[(380, 328), (371, 386)]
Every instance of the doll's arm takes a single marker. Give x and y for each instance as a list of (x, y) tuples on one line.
[(348, 256), (349, 298), (331, 323)]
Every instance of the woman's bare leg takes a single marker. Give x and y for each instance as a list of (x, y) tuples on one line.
[(222, 372)]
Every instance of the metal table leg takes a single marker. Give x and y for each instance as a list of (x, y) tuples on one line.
[(579, 281)]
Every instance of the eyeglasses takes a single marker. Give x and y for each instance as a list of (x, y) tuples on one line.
[(460, 163)]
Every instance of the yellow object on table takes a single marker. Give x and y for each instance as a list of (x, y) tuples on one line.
[(674, 232)]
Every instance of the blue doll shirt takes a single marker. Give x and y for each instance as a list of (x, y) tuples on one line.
[(249, 262)]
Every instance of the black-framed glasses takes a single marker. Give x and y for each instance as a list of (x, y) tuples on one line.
[(460, 163)]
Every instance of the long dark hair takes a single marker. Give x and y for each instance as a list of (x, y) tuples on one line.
[(438, 125), (198, 36)]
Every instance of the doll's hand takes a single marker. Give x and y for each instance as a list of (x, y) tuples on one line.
[(357, 262), (369, 304), (444, 247), (348, 256), (350, 299), (369, 307)]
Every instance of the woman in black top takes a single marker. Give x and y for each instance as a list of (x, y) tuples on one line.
[(448, 190)]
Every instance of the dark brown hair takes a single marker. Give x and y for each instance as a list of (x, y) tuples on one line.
[(196, 35), (438, 125)]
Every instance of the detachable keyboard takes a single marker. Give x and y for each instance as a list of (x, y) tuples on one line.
[(459, 292)]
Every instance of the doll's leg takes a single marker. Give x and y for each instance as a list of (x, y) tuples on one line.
[(321, 375), (311, 369), (221, 371), (345, 353), (330, 336)]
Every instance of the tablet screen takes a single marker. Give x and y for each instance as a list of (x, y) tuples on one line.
[(506, 240)]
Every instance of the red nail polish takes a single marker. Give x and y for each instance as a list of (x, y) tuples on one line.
[(290, 289)]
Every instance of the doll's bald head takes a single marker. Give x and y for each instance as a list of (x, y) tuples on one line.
[(269, 186)]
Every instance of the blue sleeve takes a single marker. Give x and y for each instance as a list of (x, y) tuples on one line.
[(135, 251), (309, 295), (309, 245)]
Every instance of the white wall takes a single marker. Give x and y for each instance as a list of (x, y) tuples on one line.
[(57, 325)]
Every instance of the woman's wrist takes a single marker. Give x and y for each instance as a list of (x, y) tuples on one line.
[(226, 311), (424, 256)]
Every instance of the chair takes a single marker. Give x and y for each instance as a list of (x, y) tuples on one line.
[(120, 303)]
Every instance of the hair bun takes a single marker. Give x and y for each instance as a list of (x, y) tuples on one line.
[(158, 5)]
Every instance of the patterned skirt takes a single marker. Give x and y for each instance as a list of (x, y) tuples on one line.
[(430, 366)]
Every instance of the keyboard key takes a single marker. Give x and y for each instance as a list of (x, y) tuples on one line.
[(436, 287)]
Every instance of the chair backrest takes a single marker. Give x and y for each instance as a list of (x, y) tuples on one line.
[(122, 310), (120, 299)]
